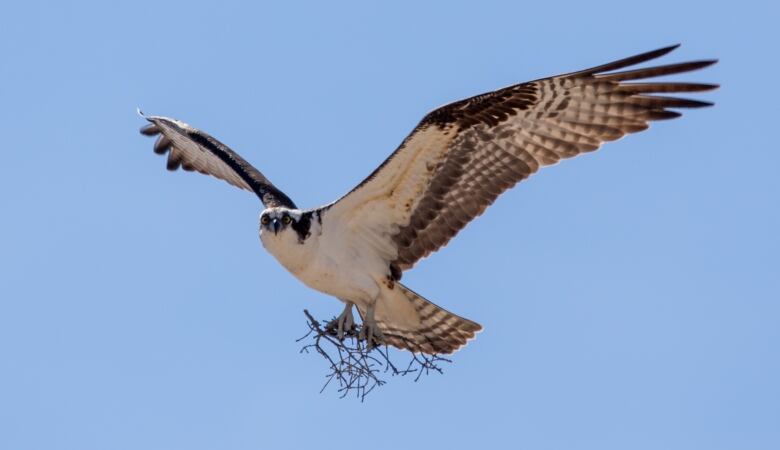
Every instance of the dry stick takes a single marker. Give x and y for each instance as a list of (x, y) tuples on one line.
[(354, 366)]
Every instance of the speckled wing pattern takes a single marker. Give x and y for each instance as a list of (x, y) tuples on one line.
[(194, 150), (461, 156)]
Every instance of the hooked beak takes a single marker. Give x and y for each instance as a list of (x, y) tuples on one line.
[(276, 224)]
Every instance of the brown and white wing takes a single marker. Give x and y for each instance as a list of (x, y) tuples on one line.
[(194, 150), (462, 156)]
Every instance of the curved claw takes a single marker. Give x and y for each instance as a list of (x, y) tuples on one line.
[(370, 331), (344, 323)]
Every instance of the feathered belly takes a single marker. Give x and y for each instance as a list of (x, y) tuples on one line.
[(331, 269), (344, 280)]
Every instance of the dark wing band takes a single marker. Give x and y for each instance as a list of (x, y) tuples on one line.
[(509, 134), (462, 156), (194, 150)]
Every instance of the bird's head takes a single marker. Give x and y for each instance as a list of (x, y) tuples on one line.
[(279, 221)]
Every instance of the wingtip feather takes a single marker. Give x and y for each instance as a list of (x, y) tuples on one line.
[(629, 61), (150, 130), (669, 48)]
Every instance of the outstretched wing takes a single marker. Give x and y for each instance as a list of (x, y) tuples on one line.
[(192, 149), (460, 157)]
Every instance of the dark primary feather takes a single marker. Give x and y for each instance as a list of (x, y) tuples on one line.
[(505, 136), (463, 155), (194, 150)]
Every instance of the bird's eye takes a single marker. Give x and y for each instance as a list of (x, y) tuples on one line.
[(286, 220), (264, 220)]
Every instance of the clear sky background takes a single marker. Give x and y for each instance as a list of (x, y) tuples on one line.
[(630, 298)]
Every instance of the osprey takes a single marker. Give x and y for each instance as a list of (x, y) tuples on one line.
[(452, 166)]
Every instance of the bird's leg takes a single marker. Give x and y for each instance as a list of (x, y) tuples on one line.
[(370, 331), (345, 322)]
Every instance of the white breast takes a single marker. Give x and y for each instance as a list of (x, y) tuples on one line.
[(332, 269)]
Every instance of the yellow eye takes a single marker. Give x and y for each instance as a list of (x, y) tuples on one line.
[(264, 220), (286, 220)]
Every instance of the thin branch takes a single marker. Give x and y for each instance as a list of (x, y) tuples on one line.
[(357, 368)]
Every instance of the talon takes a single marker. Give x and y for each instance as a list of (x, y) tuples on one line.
[(370, 331), (344, 323)]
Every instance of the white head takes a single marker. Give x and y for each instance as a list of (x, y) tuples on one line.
[(279, 220), (284, 225), (283, 232)]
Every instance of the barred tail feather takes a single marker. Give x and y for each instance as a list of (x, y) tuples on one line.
[(410, 322)]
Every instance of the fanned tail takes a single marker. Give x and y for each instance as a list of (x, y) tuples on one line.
[(410, 322)]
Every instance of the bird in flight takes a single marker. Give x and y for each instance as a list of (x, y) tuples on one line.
[(451, 167)]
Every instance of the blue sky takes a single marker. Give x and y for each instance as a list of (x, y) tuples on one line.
[(629, 297)]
